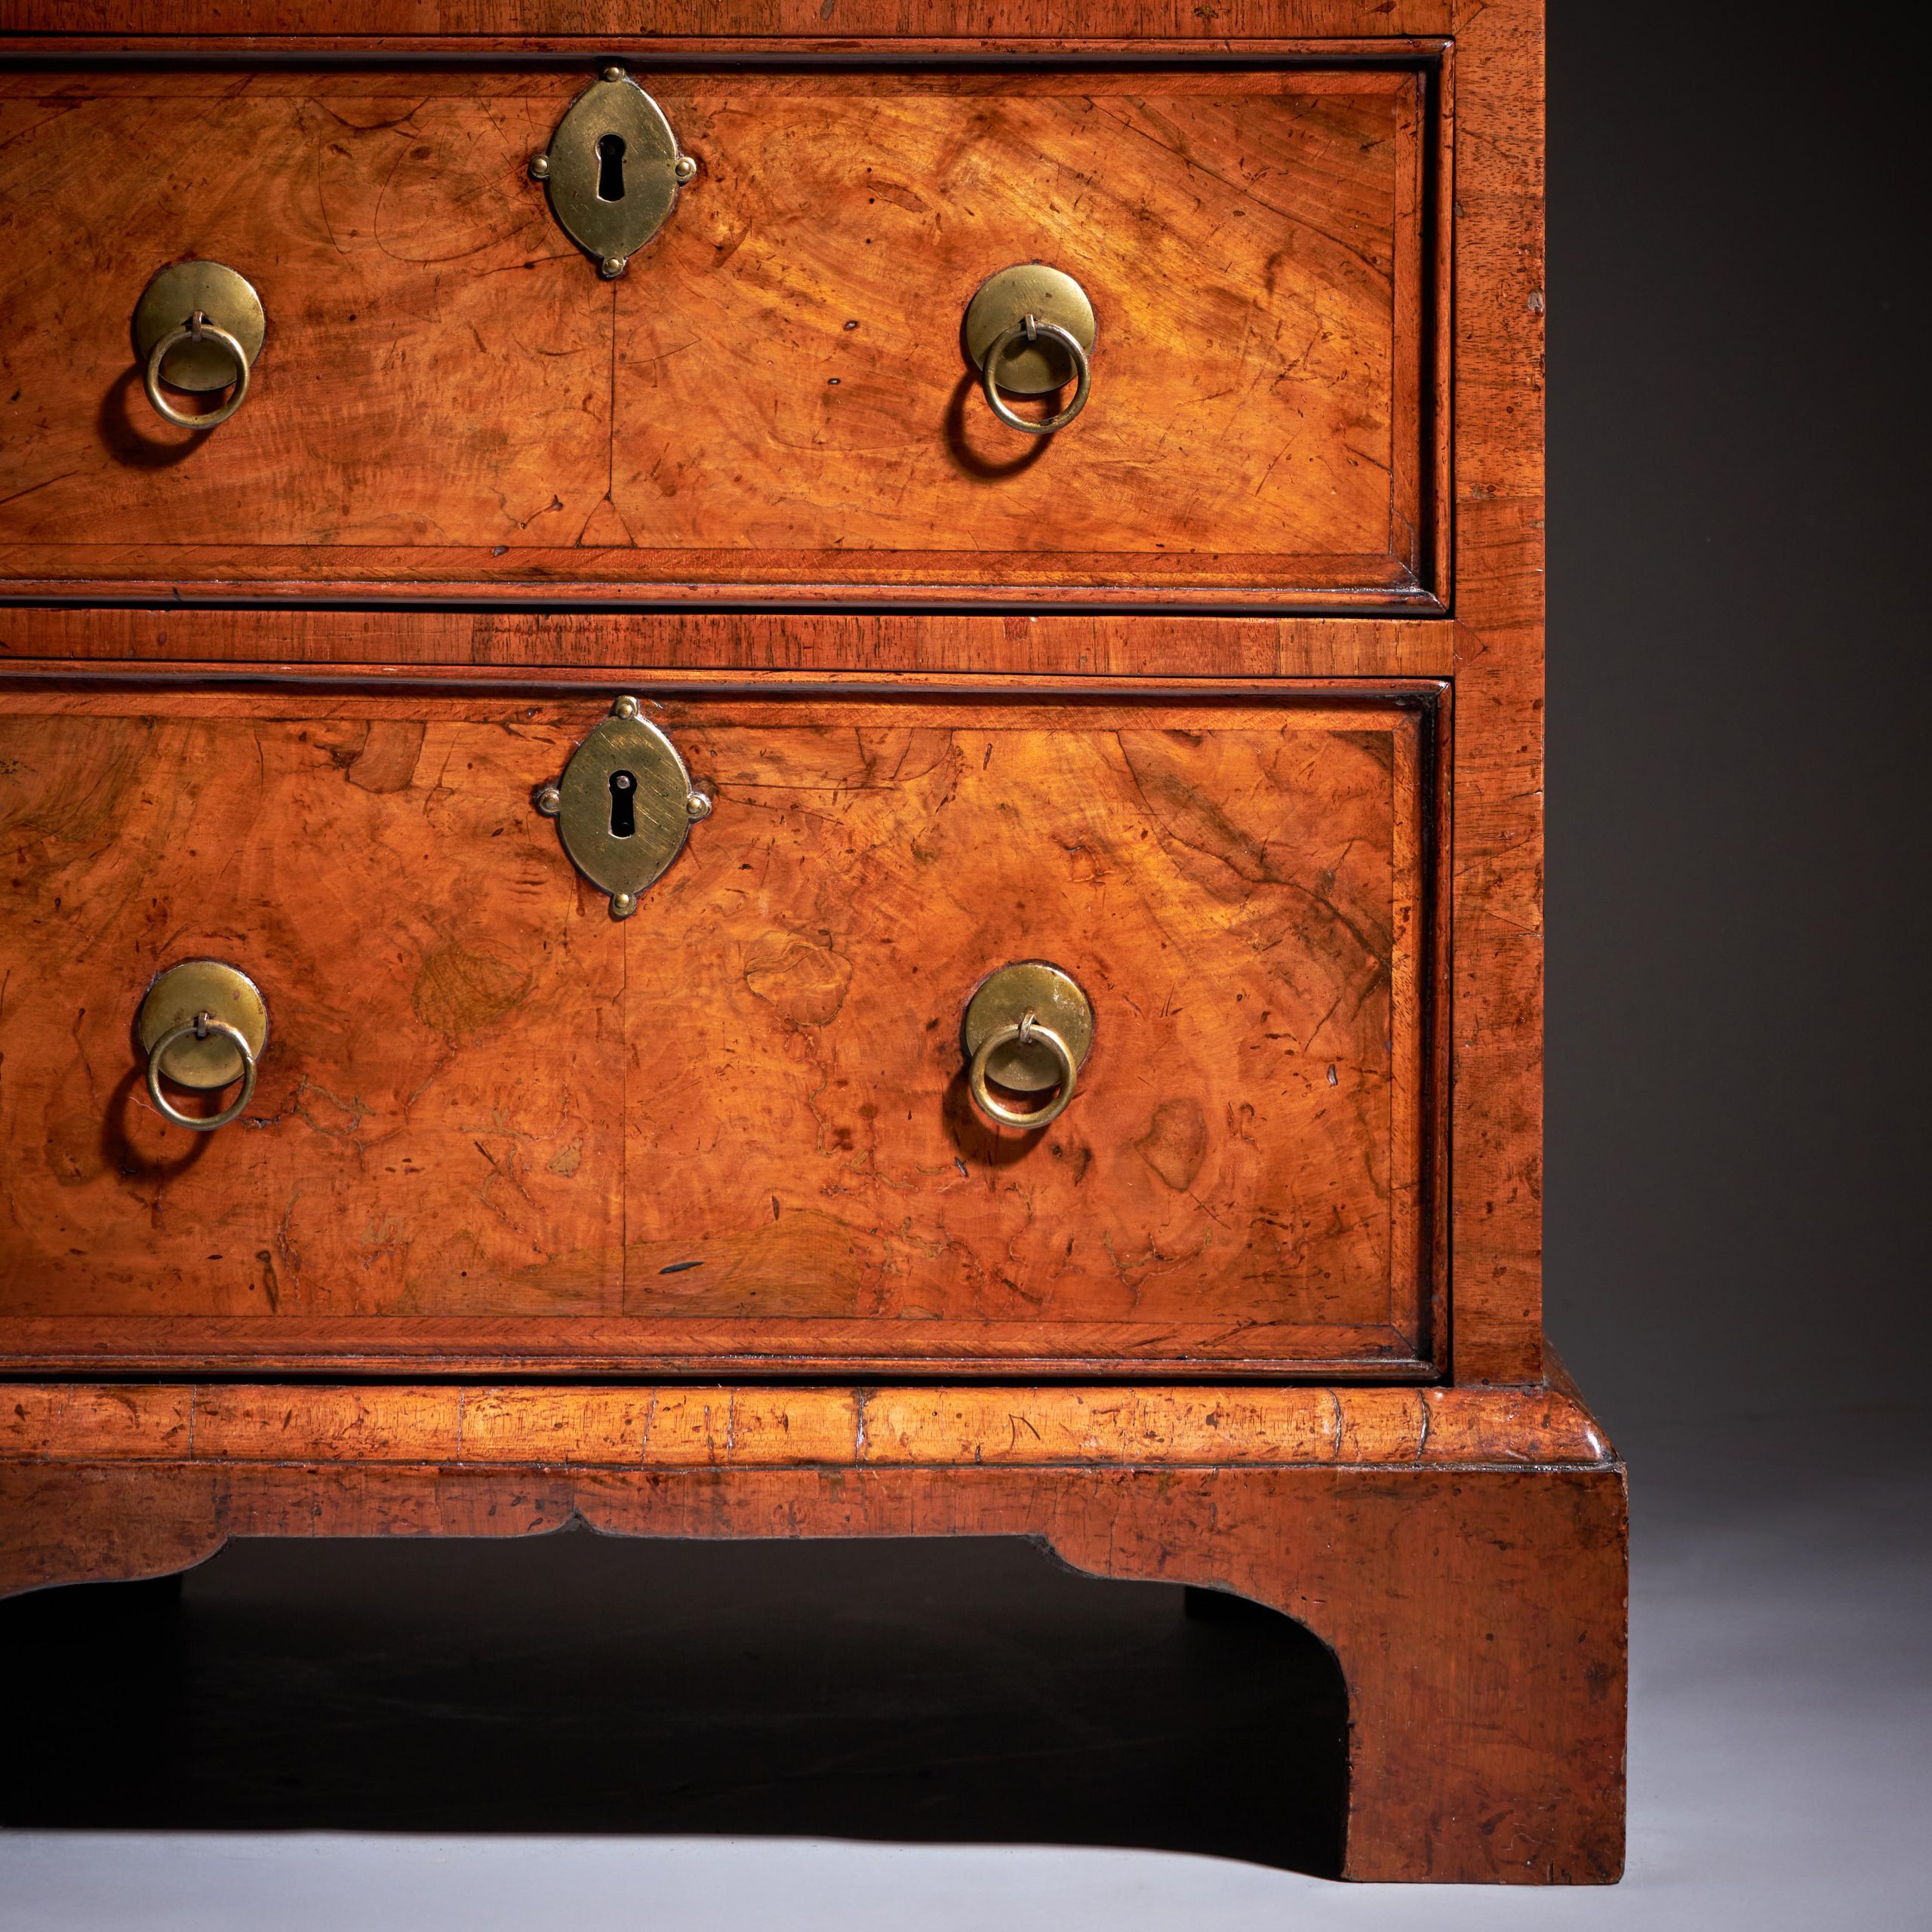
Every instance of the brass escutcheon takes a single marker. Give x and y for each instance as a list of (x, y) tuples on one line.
[(613, 169), (1028, 1028), (624, 805), (203, 1025)]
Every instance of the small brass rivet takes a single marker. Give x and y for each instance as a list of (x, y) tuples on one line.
[(625, 707), (549, 801), (685, 168), (613, 72), (612, 266), (623, 904), (697, 806), (539, 166)]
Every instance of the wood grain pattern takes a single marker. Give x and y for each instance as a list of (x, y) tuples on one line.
[(435, 1161), (681, 1426), (1495, 352), (110, 23), (1497, 1041), (1242, 237), (386, 1164), (774, 398), (379, 646), (1461, 1548), (1476, 1610)]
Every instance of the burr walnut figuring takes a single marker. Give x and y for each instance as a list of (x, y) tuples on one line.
[(823, 819)]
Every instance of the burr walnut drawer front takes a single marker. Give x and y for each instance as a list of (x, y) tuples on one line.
[(781, 391), (741, 1104)]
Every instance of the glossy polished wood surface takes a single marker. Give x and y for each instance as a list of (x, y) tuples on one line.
[(1461, 1552), (774, 397), (1460, 1548), (494, 1124), (1496, 1231), (1488, 204), (600, 26), (685, 1426), (1087, 653)]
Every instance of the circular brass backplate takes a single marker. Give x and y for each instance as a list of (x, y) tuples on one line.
[(1006, 298), (1054, 1000), (197, 986), (227, 300)]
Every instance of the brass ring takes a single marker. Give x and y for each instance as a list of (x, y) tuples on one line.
[(1029, 328), (198, 328), (1025, 1028), (201, 1025)]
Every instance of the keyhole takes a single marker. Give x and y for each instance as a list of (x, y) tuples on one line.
[(623, 804), (611, 167)]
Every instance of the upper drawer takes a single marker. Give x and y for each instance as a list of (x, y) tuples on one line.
[(775, 399)]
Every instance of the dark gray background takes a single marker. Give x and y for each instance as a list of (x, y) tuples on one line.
[(338, 1735), (1738, 724)]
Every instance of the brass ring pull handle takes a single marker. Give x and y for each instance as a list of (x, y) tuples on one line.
[(1030, 328), (198, 327), (203, 1025), (1023, 1031), (1027, 1029)]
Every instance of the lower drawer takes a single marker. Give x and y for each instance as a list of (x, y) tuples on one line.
[(497, 1128)]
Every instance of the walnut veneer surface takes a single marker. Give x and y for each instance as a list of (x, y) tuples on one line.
[(1227, 698), (774, 395), (499, 1125)]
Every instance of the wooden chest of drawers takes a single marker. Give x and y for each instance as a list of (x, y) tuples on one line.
[(795, 953)]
